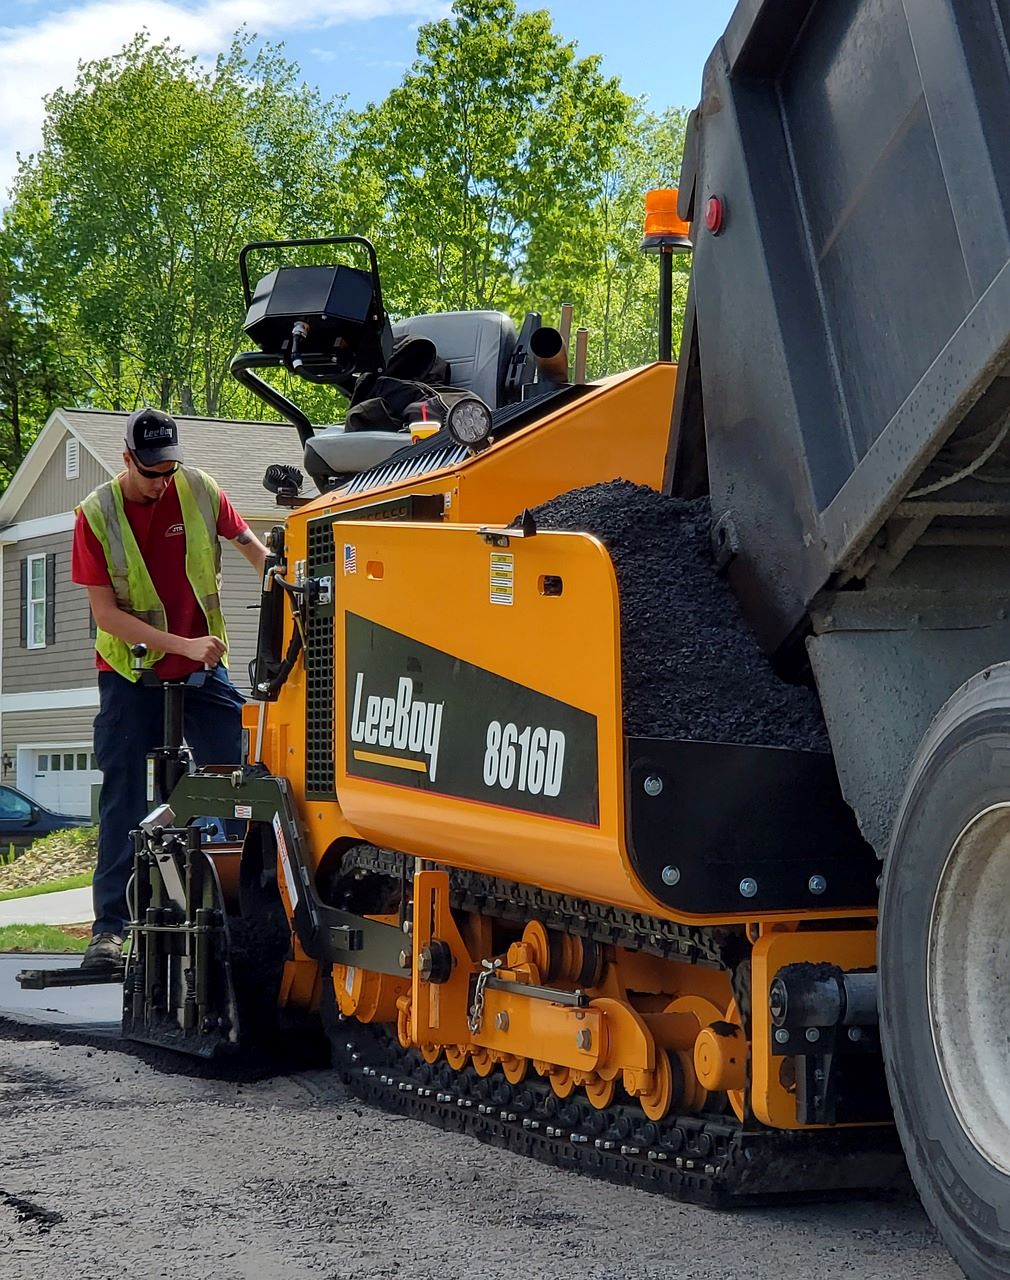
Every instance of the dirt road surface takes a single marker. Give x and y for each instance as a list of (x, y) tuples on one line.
[(109, 1167)]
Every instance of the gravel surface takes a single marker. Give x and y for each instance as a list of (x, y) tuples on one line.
[(691, 667), (110, 1167)]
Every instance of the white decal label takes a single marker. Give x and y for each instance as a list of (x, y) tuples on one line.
[(282, 853), (531, 759), (401, 722), (243, 811)]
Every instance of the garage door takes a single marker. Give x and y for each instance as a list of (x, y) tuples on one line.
[(61, 778)]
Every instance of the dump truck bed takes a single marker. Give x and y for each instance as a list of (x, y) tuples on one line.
[(850, 318)]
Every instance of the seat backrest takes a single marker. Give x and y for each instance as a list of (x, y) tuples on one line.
[(476, 344)]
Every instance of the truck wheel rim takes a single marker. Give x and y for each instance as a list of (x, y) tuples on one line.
[(968, 974)]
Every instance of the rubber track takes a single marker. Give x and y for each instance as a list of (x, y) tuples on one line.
[(708, 1159)]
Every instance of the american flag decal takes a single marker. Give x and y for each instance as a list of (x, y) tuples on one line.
[(350, 558)]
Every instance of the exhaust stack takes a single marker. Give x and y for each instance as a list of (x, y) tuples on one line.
[(551, 354)]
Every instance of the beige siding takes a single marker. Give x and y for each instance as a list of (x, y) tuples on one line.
[(71, 728), (240, 586), (53, 493), (46, 728), (68, 663)]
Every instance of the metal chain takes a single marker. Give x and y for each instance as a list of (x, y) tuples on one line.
[(607, 925), (476, 1018)]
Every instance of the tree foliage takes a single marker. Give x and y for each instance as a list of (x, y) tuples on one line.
[(503, 172), (153, 174), (487, 152), (619, 301), (35, 372)]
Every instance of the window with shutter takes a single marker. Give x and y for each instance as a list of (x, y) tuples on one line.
[(35, 602), (38, 601)]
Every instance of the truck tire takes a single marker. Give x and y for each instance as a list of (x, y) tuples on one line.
[(944, 965)]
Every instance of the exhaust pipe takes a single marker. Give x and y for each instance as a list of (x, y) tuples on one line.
[(551, 354), (565, 327), (581, 351)]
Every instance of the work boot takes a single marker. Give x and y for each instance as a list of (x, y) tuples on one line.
[(104, 950)]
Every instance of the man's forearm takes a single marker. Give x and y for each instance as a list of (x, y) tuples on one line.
[(124, 626), (253, 550)]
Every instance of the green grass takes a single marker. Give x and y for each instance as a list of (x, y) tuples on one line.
[(80, 881), (42, 937)]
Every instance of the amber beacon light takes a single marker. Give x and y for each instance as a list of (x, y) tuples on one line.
[(665, 233)]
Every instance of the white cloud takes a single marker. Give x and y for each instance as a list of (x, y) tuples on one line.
[(38, 57)]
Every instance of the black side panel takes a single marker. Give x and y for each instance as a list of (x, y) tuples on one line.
[(421, 718), (718, 830)]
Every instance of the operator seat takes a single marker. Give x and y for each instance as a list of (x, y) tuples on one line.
[(477, 345)]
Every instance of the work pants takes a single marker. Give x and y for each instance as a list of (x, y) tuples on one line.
[(129, 724)]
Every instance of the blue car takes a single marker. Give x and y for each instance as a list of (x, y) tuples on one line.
[(23, 819)]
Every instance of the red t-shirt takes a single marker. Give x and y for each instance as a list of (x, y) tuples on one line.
[(158, 528)]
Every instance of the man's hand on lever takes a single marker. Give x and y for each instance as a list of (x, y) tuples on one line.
[(205, 649)]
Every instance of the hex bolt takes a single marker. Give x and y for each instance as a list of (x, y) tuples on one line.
[(653, 785), (817, 884), (813, 1035), (671, 875), (748, 887), (781, 1035), (404, 959), (584, 1039), (501, 1021)]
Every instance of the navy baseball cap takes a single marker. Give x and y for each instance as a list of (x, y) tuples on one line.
[(153, 437)]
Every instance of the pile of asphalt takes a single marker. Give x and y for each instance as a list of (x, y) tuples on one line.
[(690, 665)]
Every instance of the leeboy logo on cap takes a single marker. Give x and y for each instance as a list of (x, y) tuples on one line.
[(155, 431), (153, 436)]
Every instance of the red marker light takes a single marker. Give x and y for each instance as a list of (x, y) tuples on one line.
[(714, 215)]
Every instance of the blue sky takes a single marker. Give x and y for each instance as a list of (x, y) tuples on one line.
[(356, 47), (660, 53)]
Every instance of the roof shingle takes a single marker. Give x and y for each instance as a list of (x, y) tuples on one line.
[(236, 454)]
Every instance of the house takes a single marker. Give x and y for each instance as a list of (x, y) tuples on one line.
[(48, 690)]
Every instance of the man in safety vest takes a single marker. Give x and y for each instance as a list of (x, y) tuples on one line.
[(147, 547)]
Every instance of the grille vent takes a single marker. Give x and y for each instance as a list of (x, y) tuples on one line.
[(319, 668)]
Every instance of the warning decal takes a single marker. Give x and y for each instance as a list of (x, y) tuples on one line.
[(502, 577)]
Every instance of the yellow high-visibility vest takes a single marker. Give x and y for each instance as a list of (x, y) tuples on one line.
[(200, 502)]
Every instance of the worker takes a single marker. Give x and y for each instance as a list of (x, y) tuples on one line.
[(147, 547)]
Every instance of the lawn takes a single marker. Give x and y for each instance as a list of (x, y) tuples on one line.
[(79, 881), (44, 937)]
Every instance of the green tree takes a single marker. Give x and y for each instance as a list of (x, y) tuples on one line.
[(34, 373), (599, 266), (153, 173), (486, 154)]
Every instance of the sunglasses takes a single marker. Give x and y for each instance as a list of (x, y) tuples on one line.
[(153, 475)]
